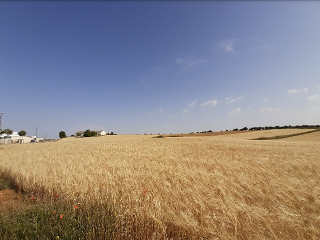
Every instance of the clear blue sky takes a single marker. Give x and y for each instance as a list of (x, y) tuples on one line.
[(158, 67)]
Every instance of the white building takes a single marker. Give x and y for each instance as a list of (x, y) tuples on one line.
[(14, 134), (15, 138), (100, 132)]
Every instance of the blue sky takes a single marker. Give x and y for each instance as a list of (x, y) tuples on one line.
[(158, 67)]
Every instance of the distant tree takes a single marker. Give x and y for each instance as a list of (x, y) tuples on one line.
[(93, 133), (7, 131), (78, 134), (22, 133), (62, 134), (87, 133), (111, 133), (235, 129)]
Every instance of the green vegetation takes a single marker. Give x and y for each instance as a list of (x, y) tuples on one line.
[(58, 220), (42, 217), (270, 127), (22, 133), (7, 131), (62, 134), (87, 133), (93, 133), (285, 127)]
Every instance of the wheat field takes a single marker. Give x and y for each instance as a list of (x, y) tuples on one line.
[(214, 187)]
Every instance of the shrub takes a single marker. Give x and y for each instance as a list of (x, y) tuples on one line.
[(87, 133), (62, 134), (93, 133), (22, 133)]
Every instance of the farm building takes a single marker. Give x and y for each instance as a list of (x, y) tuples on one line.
[(98, 132), (15, 138)]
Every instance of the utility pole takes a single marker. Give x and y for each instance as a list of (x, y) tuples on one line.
[(36, 131), (0, 121)]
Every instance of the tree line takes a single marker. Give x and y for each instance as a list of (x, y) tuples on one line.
[(9, 132), (87, 133), (278, 127), (270, 127)]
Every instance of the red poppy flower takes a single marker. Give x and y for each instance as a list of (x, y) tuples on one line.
[(144, 192), (76, 207), (61, 216)]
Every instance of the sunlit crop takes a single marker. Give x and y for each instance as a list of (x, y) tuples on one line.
[(214, 187)]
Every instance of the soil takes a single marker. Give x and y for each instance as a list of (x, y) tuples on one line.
[(11, 201)]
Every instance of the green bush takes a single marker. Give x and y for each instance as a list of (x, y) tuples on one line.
[(87, 133), (22, 133), (62, 134), (93, 133)]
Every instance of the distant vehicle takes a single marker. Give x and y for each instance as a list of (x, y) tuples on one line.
[(33, 141)]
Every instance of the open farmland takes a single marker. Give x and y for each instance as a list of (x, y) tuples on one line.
[(214, 187)]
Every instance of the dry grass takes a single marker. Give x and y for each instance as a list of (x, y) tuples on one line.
[(265, 133), (221, 187), (310, 137)]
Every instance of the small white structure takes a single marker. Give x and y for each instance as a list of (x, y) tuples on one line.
[(15, 138), (15, 134), (4, 135), (100, 132)]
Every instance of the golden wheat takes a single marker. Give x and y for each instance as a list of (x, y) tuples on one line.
[(220, 187)]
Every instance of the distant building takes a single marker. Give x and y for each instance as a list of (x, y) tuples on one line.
[(15, 138), (98, 132), (14, 134), (4, 135)]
